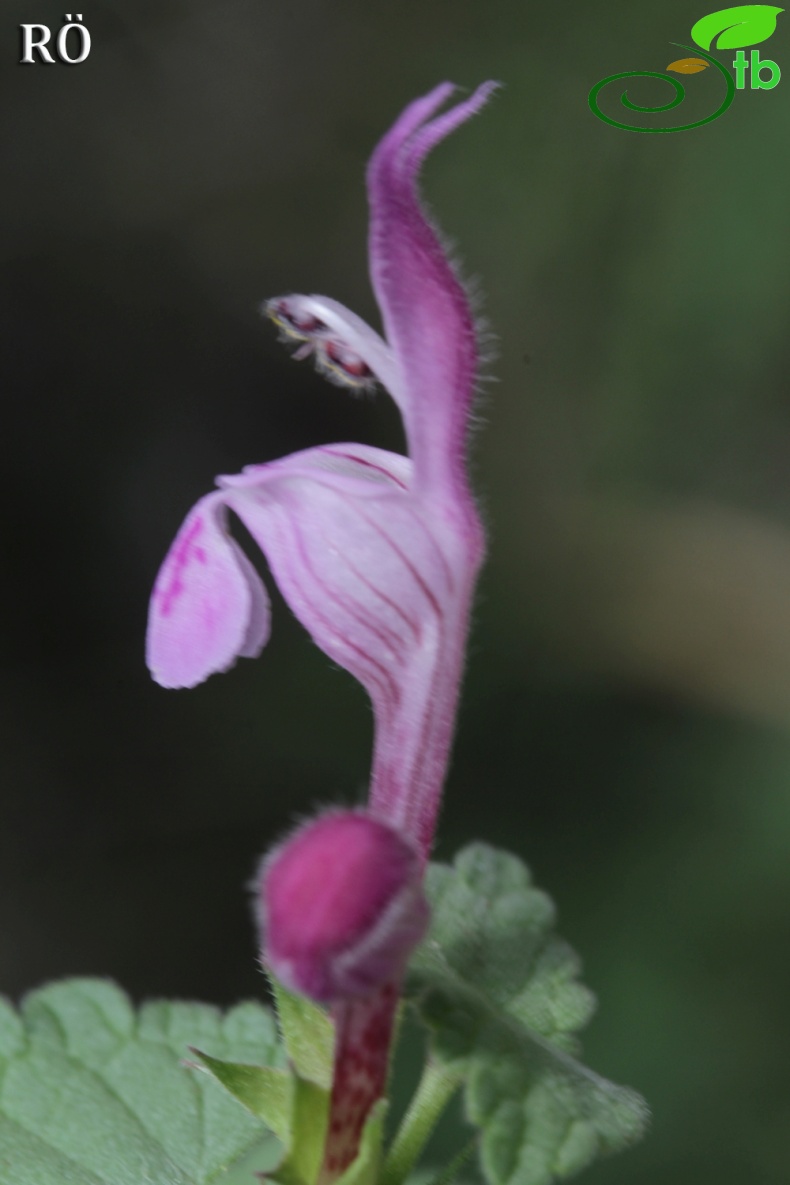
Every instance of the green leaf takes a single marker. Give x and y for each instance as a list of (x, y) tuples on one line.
[(500, 994), (266, 1092), (294, 1108), (309, 1120), (294, 1104), (93, 1092), (308, 1034), (746, 24)]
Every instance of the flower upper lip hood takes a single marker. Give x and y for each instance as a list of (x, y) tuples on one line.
[(376, 553), (427, 319)]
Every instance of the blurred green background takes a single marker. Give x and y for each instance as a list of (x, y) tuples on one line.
[(627, 705)]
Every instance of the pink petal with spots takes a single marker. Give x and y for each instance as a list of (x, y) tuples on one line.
[(208, 607)]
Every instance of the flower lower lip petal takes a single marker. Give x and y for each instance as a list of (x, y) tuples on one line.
[(208, 606)]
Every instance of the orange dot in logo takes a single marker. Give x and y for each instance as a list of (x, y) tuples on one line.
[(688, 65)]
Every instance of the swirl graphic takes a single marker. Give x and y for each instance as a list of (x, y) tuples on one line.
[(679, 96)]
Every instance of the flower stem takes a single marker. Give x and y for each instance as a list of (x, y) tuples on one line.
[(363, 1035), (437, 1086)]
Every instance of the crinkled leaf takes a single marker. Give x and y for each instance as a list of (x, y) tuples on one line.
[(746, 24), (93, 1092), (500, 994)]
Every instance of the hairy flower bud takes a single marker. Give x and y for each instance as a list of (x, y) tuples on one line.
[(341, 906)]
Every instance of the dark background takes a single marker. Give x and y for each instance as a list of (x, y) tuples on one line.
[(626, 711)]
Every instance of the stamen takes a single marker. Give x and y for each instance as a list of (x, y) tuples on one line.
[(291, 321), (343, 366)]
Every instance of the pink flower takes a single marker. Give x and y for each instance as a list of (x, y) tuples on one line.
[(376, 553)]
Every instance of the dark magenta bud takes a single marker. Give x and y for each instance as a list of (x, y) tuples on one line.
[(341, 906)]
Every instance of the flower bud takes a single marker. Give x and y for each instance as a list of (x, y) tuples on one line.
[(341, 906)]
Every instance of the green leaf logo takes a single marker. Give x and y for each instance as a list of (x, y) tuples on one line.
[(747, 24)]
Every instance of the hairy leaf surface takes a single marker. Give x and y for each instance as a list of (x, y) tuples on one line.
[(501, 996), (94, 1092)]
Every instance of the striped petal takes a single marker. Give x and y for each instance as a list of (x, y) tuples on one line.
[(362, 565)]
